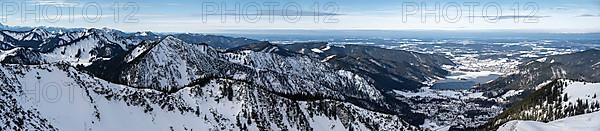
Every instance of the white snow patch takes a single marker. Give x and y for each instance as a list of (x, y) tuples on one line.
[(328, 58), (4, 54), (302, 50), (143, 34), (596, 64), (326, 48), (376, 63), (542, 59), (582, 90), (316, 50), (136, 52), (530, 56), (543, 84), (585, 122), (511, 93)]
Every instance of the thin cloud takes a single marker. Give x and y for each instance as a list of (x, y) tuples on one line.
[(278, 13), (559, 8), (510, 17), (59, 3), (173, 4), (589, 15)]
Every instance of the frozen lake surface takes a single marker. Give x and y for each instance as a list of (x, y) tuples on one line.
[(464, 80)]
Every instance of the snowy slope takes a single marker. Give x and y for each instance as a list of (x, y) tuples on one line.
[(57, 97), (581, 90), (554, 100), (4, 54), (585, 122), (21, 56)]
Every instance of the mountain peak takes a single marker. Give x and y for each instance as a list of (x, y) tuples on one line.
[(170, 38), (104, 31), (172, 58), (144, 33), (264, 47), (39, 30), (37, 33), (171, 41)]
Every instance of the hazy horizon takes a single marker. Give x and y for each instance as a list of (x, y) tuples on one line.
[(561, 16)]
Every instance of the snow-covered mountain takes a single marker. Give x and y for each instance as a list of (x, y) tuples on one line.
[(20, 55), (172, 64), (77, 48), (105, 79), (58, 97), (215, 41), (554, 100), (86, 46), (108, 77), (583, 66), (404, 69)]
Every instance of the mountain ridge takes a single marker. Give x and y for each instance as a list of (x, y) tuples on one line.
[(167, 65)]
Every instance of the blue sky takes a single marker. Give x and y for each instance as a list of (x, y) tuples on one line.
[(565, 16)]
